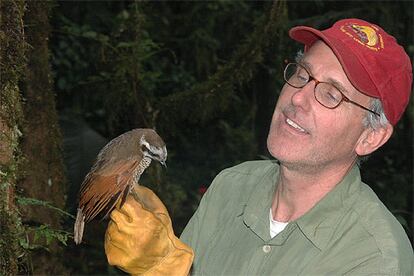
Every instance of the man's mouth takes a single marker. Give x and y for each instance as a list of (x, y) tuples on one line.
[(295, 125)]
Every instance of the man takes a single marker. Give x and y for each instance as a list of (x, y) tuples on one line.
[(309, 213)]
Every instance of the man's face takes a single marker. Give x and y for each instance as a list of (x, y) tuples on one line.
[(305, 134)]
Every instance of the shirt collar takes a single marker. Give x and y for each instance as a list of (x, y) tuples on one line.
[(319, 222), (256, 209)]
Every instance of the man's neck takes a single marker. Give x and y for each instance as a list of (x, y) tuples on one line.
[(298, 192)]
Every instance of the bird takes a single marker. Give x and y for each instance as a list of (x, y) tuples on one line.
[(118, 167)]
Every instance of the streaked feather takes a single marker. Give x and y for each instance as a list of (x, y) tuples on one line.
[(99, 190)]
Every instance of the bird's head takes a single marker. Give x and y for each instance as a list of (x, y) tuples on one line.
[(153, 146)]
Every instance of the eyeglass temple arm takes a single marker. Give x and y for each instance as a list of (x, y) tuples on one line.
[(357, 104)]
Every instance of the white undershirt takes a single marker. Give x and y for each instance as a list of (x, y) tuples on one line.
[(275, 226)]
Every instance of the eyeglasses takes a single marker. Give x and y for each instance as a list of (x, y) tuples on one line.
[(325, 93)]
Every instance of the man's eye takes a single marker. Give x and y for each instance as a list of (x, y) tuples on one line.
[(302, 78), (302, 75), (332, 96)]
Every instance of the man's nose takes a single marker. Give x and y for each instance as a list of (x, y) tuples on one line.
[(303, 97)]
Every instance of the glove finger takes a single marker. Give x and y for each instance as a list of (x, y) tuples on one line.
[(119, 217), (116, 255), (150, 200), (122, 243), (113, 239), (131, 208), (129, 218), (113, 234), (130, 212), (148, 241)]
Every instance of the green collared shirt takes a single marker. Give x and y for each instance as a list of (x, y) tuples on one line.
[(348, 232)]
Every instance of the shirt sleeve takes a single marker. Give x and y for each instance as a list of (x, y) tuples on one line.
[(197, 233), (378, 266)]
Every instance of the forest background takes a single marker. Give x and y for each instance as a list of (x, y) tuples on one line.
[(205, 74)]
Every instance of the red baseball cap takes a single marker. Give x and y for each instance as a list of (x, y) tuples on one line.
[(374, 62)]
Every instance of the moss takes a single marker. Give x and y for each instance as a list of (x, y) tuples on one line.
[(27, 67), (13, 61), (44, 179), (10, 228)]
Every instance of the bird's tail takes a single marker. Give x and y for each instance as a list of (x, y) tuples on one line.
[(79, 226)]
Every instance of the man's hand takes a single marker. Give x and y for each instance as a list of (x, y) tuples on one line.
[(140, 239)]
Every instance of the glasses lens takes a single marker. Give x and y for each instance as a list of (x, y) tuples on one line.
[(327, 95), (296, 75)]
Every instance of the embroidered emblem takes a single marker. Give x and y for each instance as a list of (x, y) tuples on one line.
[(365, 35)]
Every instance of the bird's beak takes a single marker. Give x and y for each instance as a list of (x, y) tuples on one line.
[(163, 163)]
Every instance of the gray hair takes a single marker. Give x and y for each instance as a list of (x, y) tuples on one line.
[(373, 121), (299, 56)]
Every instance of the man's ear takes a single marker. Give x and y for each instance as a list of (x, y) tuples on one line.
[(371, 139)]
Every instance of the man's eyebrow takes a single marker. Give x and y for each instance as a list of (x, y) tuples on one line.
[(332, 81), (305, 64), (338, 85)]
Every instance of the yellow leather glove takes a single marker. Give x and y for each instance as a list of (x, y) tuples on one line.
[(140, 239)]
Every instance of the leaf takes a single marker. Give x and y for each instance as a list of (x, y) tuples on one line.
[(36, 202), (90, 34)]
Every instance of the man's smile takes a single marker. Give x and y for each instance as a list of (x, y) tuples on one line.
[(295, 125)]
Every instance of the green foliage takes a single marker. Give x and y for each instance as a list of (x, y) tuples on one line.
[(70, 55), (37, 202), (118, 53), (43, 236), (32, 238), (10, 230), (10, 221)]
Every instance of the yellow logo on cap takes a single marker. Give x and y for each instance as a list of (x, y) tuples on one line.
[(365, 35)]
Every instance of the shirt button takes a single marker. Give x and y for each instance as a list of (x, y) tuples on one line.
[(266, 248)]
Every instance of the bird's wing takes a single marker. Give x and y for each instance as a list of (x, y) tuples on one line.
[(124, 146), (102, 189)]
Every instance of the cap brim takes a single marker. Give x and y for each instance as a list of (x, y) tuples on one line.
[(353, 68)]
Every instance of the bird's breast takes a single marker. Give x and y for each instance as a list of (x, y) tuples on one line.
[(145, 162)]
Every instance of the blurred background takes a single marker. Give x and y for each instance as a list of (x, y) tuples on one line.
[(205, 74)]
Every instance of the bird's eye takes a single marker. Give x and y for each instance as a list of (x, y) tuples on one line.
[(150, 152)]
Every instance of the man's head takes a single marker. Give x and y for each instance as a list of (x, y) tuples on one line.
[(361, 61), (372, 59)]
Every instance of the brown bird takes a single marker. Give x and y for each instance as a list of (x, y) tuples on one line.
[(117, 169)]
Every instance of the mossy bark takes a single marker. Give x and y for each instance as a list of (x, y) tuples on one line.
[(41, 144), (12, 62), (30, 141)]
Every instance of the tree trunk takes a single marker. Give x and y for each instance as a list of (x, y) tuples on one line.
[(12, 62), (41, 145)]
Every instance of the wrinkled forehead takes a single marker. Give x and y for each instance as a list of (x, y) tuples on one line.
[(322, 64)]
